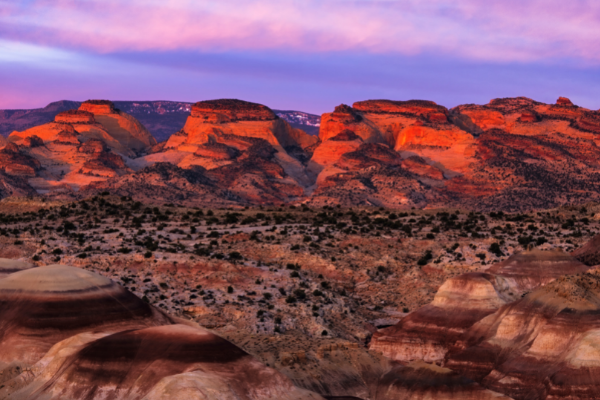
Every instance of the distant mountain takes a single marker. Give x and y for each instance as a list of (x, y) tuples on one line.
[(309, 123), (19, 120), (161, 118)]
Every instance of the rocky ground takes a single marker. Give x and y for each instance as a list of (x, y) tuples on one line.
[(302, 289), (326, 271)]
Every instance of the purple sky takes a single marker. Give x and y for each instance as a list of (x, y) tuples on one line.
[(308, 55)]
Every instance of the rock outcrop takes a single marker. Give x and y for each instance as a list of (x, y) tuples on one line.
[(71, 117), (220, 136), (493, 156), (213, 118), (98, 107)]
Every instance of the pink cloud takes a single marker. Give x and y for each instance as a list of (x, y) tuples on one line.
[(499, 31)]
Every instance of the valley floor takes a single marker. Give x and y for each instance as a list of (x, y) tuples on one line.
[(289, 285)]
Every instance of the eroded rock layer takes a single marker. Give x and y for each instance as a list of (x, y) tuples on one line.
[(541, 347), (432, 331)]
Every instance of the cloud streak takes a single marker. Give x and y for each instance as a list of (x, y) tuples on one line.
[(495, 31)]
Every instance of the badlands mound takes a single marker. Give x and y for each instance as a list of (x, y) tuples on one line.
[(433, 330), (157, 363), (544, 346), (9, 266), (44, 305)]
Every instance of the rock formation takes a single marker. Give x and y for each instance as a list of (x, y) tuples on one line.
[(75, 117), (213, 118), (491, 156), (430, 332), (95, 119), (222, 135), (543, 346), (511, 154)]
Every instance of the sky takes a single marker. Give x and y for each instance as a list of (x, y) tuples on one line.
[(307, 55)]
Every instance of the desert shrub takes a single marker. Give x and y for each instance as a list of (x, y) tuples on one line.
[(290, 299), (425, 258), (495, 249)]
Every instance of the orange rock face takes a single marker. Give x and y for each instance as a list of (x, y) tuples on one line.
[(231, 110), (346, 118), (416, 108), (331, 150), (75, 117), (218, 118), (563, 101), (98, 107)]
